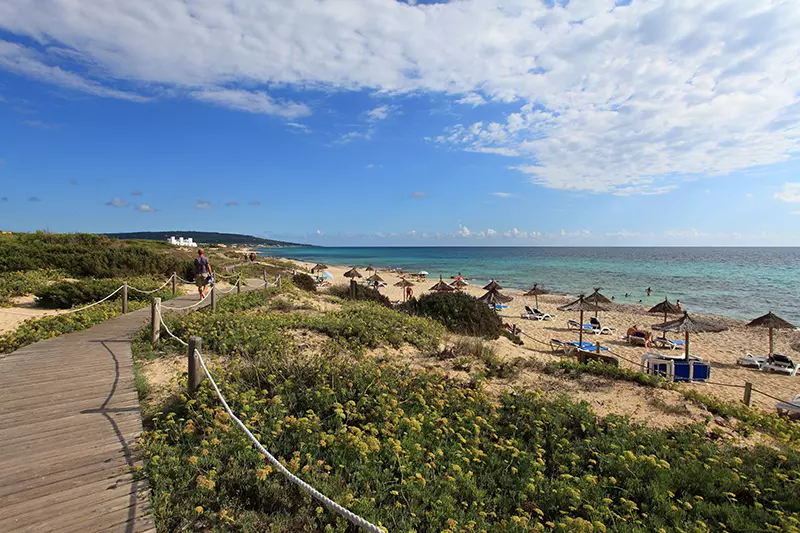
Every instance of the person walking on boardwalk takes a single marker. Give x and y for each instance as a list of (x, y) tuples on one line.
[(202, 272)]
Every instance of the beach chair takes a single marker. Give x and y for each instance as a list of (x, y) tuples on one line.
[(639, 338), (574, 324), (780, 364), (752, 361), (789, 409), (599, 329), (587, 346), (560, 346), (663, 342)]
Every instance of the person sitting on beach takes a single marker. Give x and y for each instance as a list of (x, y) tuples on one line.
[(631, 330), (202, 272)]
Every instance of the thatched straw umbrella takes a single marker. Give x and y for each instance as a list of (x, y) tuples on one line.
[(375, 277), (597, 299), (370, 268), (535, 292), (770, 321), (581, 305), (494, 297), (459, 284), (404, 283), (665, 307), (686, 325), (796, 345), (353, 273), (318, 267), (492, 285), (442, 286)]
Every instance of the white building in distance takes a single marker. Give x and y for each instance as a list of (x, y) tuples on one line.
[(180, 241)]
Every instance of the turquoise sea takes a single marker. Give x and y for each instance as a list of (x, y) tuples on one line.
[(735, 282)]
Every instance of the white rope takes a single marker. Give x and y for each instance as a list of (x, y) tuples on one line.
[(330, 504), (154, 290), (161, 319), (68, 311), (183, 280)]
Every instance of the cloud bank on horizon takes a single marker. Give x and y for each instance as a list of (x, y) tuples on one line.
[(601, 96)]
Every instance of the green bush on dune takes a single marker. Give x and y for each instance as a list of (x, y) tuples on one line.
[(362, 293), (87, 255), (305, 282), (66, 294), (459, 312)]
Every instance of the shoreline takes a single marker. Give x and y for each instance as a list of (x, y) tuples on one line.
[(633, 308)]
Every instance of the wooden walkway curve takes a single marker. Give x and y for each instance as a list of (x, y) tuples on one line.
[(69, 422)]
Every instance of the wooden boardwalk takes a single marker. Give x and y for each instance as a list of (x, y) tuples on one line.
[(69, 422)]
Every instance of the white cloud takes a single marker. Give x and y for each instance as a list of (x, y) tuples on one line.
[(145, 208), (463, 231), (790, 192), (380, 113), (117, 202), (490, 232), (796, 212), (203, 204), (473, 99), (626, 99), (231, 203), (252, 102), (418, 194), (748, 195), (302, 128), (319, 233), (503, 194), (347, 138)]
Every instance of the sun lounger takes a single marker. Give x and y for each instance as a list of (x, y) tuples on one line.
[(779, 363), (640, 338), (599, 329), (663, 342), (587, 346), (790, 409), (574, 324), (560, 346), (535, 314)]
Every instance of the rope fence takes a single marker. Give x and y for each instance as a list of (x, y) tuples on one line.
[(154, 290), (66, 311)]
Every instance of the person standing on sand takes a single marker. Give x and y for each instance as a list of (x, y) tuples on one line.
[(202, 272)]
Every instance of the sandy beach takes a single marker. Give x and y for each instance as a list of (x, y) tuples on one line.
[(721, 350)]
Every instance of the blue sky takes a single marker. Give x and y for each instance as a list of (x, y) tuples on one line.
[(384, 123)]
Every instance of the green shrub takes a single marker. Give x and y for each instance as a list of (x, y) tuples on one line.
[(305, 282), (66, 294), (87, 255), (363, 293), (575, 370), (25, 282), (459, 312), (415, 452)]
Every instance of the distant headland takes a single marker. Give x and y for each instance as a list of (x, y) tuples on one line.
[(206, 237)]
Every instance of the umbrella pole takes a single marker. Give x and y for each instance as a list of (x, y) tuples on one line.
[(771, 350), (686, 345), (580, 333), (536, 298)]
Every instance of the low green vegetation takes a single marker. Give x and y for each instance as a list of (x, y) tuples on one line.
[(66, 294), (415, 452), (569, 369), (23, 282), (459, 313), (87, 255)]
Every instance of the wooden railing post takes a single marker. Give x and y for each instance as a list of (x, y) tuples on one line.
[(195, 372), (124, 297), (279, 282), (174, 283), (213, 299), (238, 285), (155, 310), (748, 390)]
